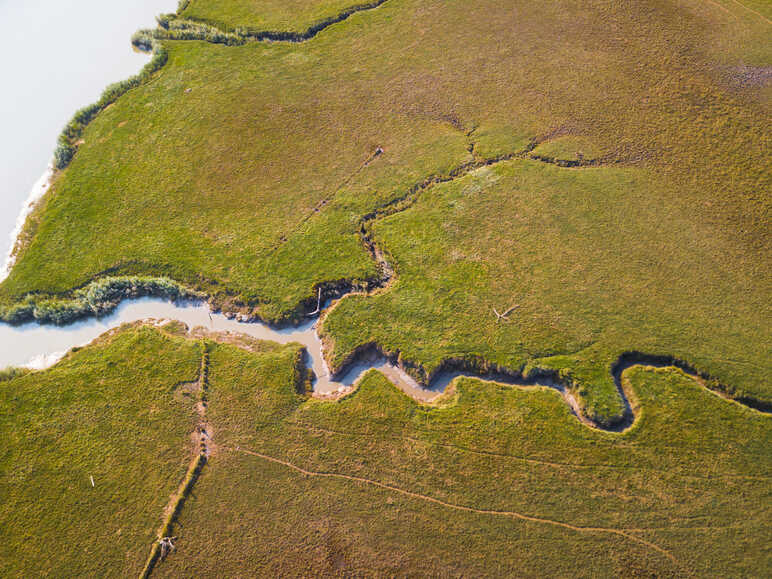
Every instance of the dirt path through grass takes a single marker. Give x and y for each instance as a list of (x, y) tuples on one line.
[(752, 11), (514, 457), (513, 514), (204, 447)]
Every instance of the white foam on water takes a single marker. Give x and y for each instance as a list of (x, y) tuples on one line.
[(36, 193)]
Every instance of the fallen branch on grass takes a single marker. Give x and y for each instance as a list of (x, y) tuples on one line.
[(503, 316), (318, 305), (167, 546)]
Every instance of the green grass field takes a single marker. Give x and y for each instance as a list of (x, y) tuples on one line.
[(592, 272), (245, 172), (110, 412), (261, 15), (492, 480), (602, 166), (688, 478)]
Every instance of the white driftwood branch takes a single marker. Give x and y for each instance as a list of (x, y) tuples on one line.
[(318, 305), (503, 316), (167, 546)]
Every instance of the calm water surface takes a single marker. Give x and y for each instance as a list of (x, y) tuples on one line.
[(57, 56), (37, 346)]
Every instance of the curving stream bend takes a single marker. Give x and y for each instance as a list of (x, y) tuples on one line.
[(36, 346), (39, 346)]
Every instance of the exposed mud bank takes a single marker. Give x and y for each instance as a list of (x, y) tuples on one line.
[(441, 377), (635, 358), (477, 367)]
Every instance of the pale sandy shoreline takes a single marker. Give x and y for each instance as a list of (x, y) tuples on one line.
[(39, 189)]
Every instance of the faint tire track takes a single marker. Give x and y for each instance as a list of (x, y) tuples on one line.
[(512, 514)]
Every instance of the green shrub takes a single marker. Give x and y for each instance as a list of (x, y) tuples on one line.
[(96, 299), (67, 142), (171, 28), (12, 372)]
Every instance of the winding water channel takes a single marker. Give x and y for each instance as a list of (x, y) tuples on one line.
[(49, 100), (39, 346), (42, 94), (40, 97)]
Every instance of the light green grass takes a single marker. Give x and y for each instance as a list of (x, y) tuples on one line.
[(211, 174), (691, 476), (585, 255), (109, 412)]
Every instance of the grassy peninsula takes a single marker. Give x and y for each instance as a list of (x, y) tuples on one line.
[(247, 173)]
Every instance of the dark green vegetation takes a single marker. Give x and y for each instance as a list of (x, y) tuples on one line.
[(568, 151), (292, 16), (247, 172), (12, 372), (96, 299), (492, 480)]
